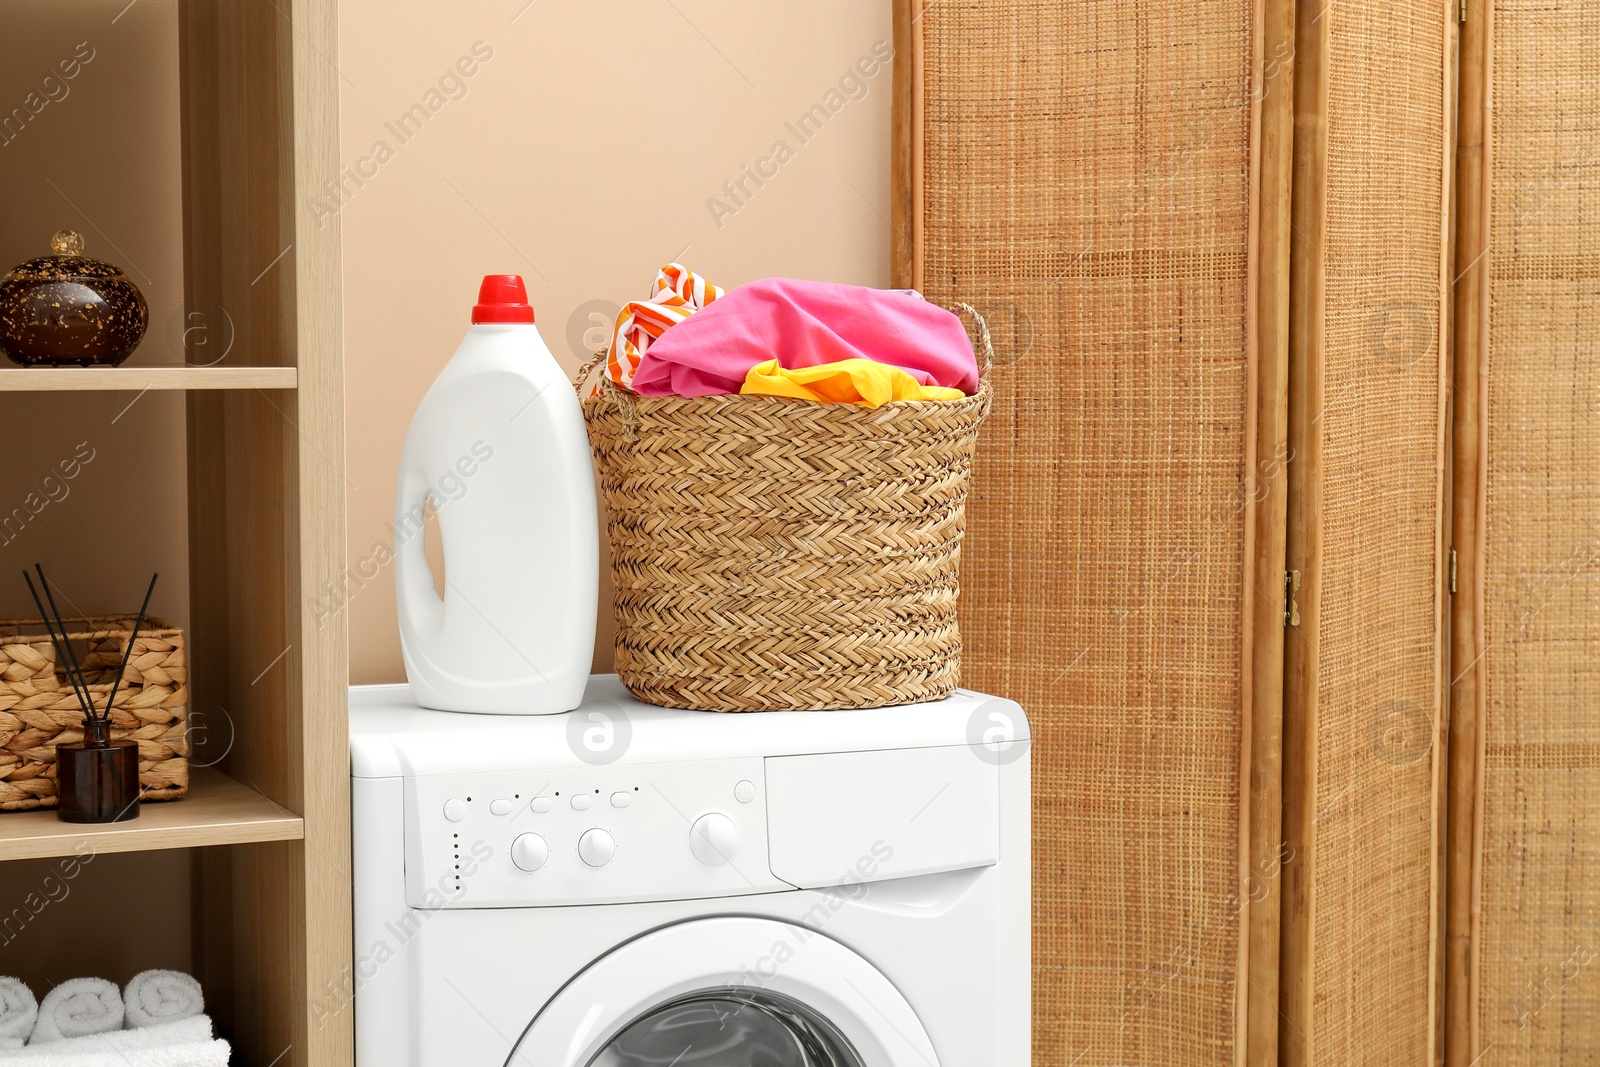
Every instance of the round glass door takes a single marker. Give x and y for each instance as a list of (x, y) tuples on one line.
[(729, 991), (729, 1028)]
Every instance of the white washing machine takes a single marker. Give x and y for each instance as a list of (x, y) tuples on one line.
[(623, 885)]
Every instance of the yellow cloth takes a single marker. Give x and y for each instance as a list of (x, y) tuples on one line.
[(849, 381)]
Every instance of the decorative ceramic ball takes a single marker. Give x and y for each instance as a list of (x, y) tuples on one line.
[(68, 308)]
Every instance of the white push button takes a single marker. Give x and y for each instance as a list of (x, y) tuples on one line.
[(744, 792), (500, 807), (714, 839), (621, 800), (581, 801), (596, 847), (541, 805), (455, 810), (529, 852)]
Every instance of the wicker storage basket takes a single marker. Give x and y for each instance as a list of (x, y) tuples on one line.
[(38, 709), (771, 554)]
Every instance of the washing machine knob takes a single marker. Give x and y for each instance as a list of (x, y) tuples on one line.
[(596, 847), (529, 852), (714, 839)]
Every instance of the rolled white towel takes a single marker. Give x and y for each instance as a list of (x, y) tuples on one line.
[(77, 1007), (196, 1054), (154, 997), (18, 1012), (194, 1030)]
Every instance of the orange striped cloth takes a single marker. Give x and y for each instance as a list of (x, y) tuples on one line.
[(678, 293)]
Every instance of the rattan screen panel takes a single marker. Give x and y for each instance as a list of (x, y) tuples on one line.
[(1375, 834), (1085, 182), (1538, 1001)]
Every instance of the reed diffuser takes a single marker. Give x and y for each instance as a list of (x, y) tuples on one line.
[(97, 779)]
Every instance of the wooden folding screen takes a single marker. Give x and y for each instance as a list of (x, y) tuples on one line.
[(1108, 183), (1111, 184), (1524, 974)]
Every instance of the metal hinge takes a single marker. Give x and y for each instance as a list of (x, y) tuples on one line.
[(1452, 571), (1291, 589), (1463, 10)]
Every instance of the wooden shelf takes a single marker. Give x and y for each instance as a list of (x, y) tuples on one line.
[(139, 379), (217, 811), (264, 513)]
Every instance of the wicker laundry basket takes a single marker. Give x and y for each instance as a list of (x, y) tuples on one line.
[(772, 554), (39, 710)]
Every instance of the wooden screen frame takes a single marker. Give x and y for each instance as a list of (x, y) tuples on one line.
[(1307, 401), (1470, 446)]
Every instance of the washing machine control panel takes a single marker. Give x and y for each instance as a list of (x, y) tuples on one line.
[(614, 834)]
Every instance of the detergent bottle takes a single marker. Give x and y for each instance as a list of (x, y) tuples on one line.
[(498, 447)]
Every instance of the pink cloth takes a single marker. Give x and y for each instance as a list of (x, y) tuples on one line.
[(806, 324)]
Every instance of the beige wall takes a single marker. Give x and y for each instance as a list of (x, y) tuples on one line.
[(581, 153)]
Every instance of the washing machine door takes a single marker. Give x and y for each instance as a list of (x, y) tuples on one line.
[(728, 992)]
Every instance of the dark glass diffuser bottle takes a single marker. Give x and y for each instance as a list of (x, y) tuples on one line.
[(97, 779)]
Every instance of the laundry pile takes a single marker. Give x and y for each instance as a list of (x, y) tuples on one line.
[(819, 341), (157, 1021)]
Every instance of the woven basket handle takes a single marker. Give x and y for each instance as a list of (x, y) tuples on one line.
[(985, 343), (583, 372), (619, 397)]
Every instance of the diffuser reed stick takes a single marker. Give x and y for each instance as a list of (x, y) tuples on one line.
[(63, 649), (62, 626), (127, 653)]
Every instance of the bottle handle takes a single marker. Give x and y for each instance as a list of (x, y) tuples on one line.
[(418, 600)]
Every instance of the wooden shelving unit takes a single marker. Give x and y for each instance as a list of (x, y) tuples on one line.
[(267, 831)]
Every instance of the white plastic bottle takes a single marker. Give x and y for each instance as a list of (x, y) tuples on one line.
[(499, 444)]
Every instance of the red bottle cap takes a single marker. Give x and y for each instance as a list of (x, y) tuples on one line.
[(502, 298)]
